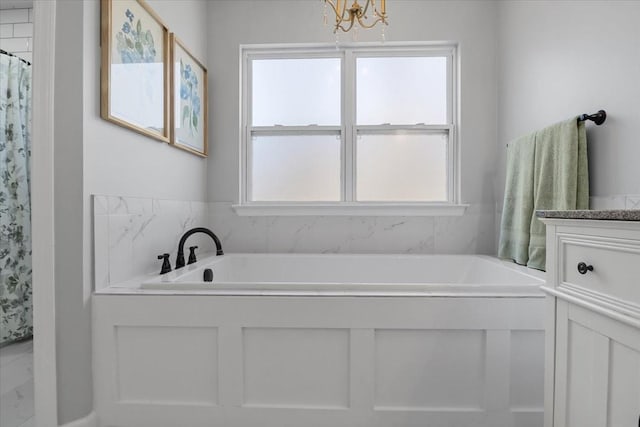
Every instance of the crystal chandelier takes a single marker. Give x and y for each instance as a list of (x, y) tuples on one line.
[(366, 16)]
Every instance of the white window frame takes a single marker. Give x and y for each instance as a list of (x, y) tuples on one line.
[(348, 131)]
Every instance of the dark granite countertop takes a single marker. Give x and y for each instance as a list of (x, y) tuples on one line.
[(610, 215)]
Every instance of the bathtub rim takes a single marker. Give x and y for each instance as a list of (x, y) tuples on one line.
[(144, 285)]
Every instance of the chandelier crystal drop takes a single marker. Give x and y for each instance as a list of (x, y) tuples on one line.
[(366, 16)]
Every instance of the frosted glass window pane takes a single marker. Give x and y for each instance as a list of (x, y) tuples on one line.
[(296, 168), (402, 90), (402, 167), (296, 92)]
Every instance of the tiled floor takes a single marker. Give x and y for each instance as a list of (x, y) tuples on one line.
[(16, 385)]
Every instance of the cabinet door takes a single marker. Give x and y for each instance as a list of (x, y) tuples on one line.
[(597, 370), (624, 385)]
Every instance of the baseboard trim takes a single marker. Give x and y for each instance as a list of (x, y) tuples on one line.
[(90, 420)]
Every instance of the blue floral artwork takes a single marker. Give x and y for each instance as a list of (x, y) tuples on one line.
[(190, 100), (135, 44), (135, 69)]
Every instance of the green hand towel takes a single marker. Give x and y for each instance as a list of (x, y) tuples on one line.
[(518, 200), (561, 180), (545, 170)]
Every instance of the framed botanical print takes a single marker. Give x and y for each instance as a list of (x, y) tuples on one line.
[(135, 68), (188, 100)]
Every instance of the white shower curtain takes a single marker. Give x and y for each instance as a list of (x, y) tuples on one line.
[(15, 200)]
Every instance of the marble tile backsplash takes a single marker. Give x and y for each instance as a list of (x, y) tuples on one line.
[(617, 201), (471, 233), (130, 233)]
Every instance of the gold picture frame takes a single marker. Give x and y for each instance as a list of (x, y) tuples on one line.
[(134, 75), (189, 102)]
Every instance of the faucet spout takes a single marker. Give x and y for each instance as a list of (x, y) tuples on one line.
[(185, 236)]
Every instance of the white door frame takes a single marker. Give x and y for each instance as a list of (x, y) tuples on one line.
[(42, 215)]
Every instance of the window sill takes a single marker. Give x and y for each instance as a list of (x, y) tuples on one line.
[(350, 209)]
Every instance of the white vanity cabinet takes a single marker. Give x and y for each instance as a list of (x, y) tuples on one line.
[(592, 355)]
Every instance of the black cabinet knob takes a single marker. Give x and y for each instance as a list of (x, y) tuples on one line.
[(583, 268)]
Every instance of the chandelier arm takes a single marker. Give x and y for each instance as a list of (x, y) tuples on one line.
[(335, 10), (363, 25), (365, 8), (346, 30), (356, 13)]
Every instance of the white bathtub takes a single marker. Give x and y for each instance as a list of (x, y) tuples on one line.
[(304, 274), (394, 340)]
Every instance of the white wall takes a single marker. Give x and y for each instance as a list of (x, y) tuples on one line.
[(73, 321), (120, 162), (473, 24), (563, 58), (94, 156)]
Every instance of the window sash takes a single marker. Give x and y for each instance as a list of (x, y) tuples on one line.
[(416, 129), (348, 130), (288, 131)]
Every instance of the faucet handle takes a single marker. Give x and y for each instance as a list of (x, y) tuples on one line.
[(166, 265), (192, 254)]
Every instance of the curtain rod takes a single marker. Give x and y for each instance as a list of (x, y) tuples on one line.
[(4, 52)]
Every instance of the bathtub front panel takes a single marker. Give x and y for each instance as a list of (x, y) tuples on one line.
[(317, 361)]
